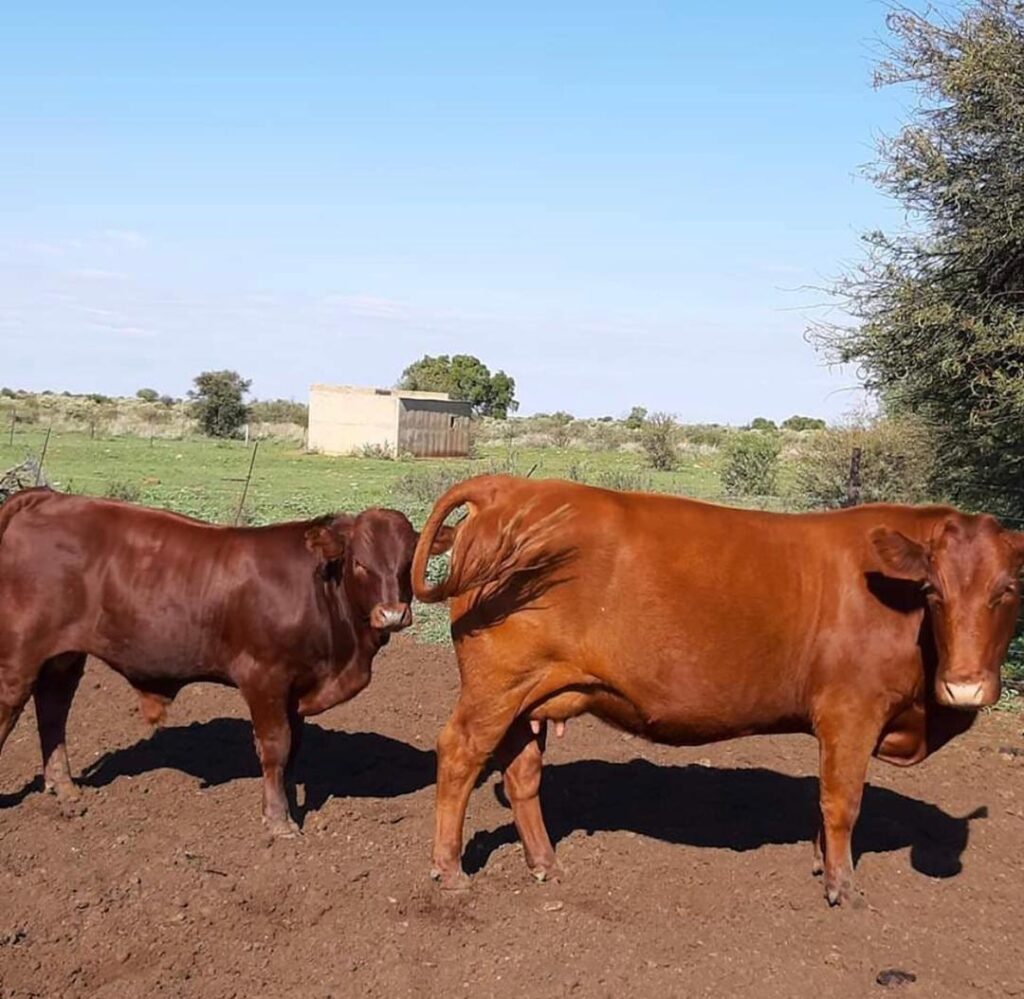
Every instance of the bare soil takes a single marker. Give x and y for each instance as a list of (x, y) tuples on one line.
[(688, 870)]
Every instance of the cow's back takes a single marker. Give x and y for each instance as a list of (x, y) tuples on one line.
[(150, 592)]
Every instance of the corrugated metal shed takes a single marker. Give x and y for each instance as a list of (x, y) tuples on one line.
[(344, 420), (428, 428)]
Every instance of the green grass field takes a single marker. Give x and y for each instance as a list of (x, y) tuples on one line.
[(204, 477)]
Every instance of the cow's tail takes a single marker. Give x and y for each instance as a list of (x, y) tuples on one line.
[(486, 556)]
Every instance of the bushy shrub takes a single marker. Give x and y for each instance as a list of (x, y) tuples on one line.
[(279, 411), (750, 463), (896, 464), (129, 492), (659, 437), (799, 423), (705, 434), (635, 420), (383, 451)]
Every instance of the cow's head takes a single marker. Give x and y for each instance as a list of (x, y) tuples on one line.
[(968, 569), (371, 555)]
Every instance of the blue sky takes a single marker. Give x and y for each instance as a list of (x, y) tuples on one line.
[(616, 203)]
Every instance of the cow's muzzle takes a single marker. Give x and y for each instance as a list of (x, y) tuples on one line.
[(391, 617), (969, 696)]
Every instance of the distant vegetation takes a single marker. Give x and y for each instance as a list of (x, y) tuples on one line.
[(146, 414), (797, 465)]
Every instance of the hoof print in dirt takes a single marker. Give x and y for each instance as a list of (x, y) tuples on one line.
[(894, 978)]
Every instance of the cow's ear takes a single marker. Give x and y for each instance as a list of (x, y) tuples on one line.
[(901, 557), (328, 541), (443, 540), (1017, 541)]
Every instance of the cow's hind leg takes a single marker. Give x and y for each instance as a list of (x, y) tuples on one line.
[(844, 753), (273, 735), (16, 679), (473, 732), (53, 693), (521, 757)]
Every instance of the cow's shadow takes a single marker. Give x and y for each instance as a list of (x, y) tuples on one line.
[(329, 764), (734, 809)]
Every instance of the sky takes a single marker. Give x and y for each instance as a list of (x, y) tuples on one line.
[(618, 204)]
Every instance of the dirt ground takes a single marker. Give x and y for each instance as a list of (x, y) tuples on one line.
[(688, 870)]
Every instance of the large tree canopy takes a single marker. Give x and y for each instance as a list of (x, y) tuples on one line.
[(463, 377), (218, 401), (938, 307)]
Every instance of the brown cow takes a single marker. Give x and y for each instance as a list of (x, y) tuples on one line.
[(292, 615), (870, 628)]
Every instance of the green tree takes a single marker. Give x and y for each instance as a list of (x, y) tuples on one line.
[(762, 423), (218, 401), (463, 377), (939, 305), (636, 418), (147, 395), (803, 423)]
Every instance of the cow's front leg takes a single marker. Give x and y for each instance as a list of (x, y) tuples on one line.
[(845, 749), (273, 734)]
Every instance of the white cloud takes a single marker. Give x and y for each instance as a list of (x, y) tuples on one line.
[(124, 237), (97, 274), (368, 305)]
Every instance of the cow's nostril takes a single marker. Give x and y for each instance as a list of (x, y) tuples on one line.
[(391, 617), (966, 695)]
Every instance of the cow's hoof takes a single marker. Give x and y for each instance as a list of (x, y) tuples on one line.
[(69, 800), (72, 807), (547, 872), (817, 868), (456, 880), (282, 828), (838, 894)]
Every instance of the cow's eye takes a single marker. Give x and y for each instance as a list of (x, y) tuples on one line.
[(360, 568), (1005, 593), (931, 592)]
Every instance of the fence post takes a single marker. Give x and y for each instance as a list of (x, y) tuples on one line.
[(42, 454), (245, 487), (853, 482)]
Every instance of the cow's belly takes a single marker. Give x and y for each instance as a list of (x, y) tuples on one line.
[(672, 723), (142, 656)]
